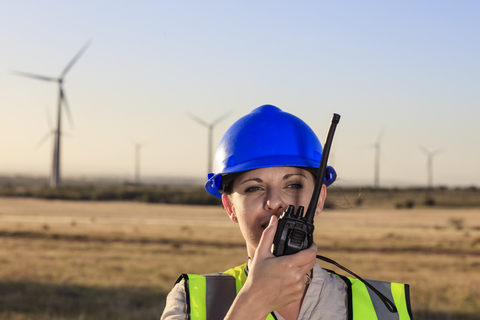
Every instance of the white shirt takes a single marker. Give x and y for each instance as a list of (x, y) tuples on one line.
[(325, 299)]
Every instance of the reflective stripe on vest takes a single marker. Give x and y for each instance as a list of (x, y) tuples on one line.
[(364, 304), (209, 297)]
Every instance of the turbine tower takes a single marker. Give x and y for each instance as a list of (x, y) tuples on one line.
[(430, 155), (210, 127), (55, 179), (138, 147), (376, 146)]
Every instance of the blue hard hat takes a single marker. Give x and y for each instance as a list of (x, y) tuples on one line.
[(266, 137)]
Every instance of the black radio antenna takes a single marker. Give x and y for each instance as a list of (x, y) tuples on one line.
[(310, 214)]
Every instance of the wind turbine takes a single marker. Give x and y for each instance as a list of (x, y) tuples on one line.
[(376, 146), (55, 179), (210, 127), (138, 146), (430, 155)]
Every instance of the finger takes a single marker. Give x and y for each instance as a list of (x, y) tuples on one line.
[(268, 235), (306, 258), (314, 249)]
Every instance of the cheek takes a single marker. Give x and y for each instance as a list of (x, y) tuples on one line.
[(306, 198), (248, 230), (307, 195), (248, 222), (244, 208), (245, 220)]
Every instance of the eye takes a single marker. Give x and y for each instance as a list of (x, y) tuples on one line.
[(295, 186), (253, 189)]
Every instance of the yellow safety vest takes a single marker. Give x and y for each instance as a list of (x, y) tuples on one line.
[(210, 296)]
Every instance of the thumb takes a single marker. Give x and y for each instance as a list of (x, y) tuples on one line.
[(265, 244)]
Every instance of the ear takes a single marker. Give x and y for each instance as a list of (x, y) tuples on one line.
[(321, 200), (228, 206)]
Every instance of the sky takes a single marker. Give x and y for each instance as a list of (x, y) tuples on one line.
[(405, 74)]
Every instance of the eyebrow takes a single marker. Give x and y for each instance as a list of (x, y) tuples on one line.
[(253, 179), (285, 177), (294, 174)]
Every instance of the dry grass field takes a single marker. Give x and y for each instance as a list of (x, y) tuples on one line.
[(118, 260)]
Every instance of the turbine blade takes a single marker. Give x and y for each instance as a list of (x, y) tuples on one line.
[(423, 149), (44, 139), (34, 76), (79, 54), (67, 109), (438, 151), (222, 117), (197, 119)]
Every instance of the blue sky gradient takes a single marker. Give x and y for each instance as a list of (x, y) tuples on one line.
[(409, 69)]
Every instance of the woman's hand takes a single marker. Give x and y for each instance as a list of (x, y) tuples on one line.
[(273, 282)]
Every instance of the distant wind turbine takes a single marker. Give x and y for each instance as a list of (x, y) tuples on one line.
[(55, 179), (138, 147), (430, 155), (210, 127), (376, 146)]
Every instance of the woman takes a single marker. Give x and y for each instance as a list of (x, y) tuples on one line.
[(266, 161)]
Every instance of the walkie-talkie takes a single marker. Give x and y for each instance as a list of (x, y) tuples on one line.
[(294, 230)]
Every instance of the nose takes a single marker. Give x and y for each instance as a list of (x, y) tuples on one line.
[(274, 202)]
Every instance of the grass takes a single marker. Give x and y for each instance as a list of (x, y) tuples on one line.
[(339, 196), (86, 192), (102, 260)]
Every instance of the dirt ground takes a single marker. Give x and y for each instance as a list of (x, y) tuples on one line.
[(97, 260)]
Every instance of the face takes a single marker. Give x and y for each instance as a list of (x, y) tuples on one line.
[(258, 194)]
